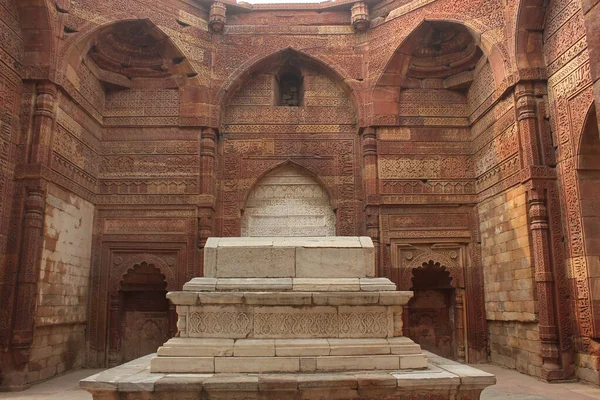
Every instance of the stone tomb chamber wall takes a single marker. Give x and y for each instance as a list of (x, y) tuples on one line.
[(458, 136)]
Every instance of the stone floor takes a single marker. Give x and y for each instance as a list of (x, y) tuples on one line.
[(511, 386)]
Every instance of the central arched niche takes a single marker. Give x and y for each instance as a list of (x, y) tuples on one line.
[(314, 125), (288, 201)]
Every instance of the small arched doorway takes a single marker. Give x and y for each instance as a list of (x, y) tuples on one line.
[(434, 311), (144, 313), (288, 201)]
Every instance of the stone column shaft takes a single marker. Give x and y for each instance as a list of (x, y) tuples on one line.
[(208, 146), (26, 297), (33, 222), (531, 150), (544, 278), (369, 145)]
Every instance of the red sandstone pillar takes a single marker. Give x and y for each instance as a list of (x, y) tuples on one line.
[(544, 278), (114, 329), (537, 177), (206, 210), (208, 147), (369, 150), (45, 105), (33, 223), (26, 300)]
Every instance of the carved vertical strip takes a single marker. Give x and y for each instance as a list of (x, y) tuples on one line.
[(206, 212), (544, 277), (114, 330), (538, 177), (45, 105), (95, 331), (527, 120), (459, 324), (33, 222), (369, 151), (33, 226)]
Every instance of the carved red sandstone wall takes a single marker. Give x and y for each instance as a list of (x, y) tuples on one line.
[(159, 127)]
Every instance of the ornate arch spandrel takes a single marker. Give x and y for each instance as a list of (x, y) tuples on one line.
[(121, 267), (456, 271)]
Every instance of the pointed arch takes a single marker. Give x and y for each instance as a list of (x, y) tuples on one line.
[(288, 200), (39, 36), (293, 164), (245, 70), (76, 51), (124, 266), (587, 139), (456, 272), (497, 56), (529, 23)]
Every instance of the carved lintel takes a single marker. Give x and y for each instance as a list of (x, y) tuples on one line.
[(534, 174)]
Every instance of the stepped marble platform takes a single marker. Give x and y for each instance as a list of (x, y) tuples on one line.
[(275, 317), (442, 379)]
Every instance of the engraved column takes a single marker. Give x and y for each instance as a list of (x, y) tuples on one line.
[(544, 278), (35, 184), (369, 147), (534, 177), (114, 331), (33, 225), (206, 210), (41, 146)]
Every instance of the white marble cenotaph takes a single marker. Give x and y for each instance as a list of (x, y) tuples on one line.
[(290, 317)]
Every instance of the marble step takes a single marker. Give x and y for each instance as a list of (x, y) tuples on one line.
[(185, 365), (207, 347), (388, 298), (443, 379), (286, 355), (338, 284), (184, 355)]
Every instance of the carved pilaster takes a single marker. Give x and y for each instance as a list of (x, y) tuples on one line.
[(208, 145), (217, 18), (114, 330), (205, 225), (526, 106), (538, 178), (32, 229), (172, 320), (459, 323), (544, 278), (369, 146), (44, 116), (360, 17), (26, 301), (369, 150)]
